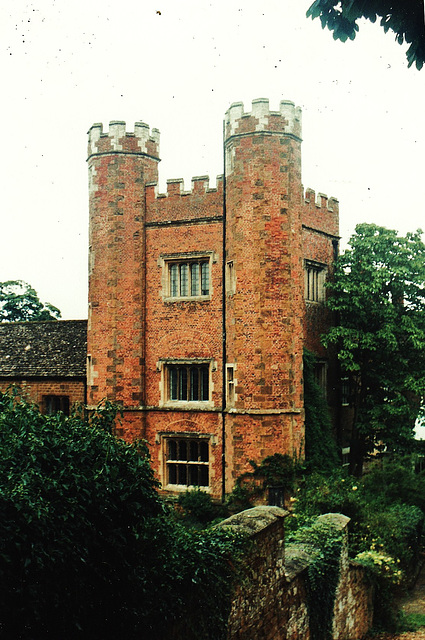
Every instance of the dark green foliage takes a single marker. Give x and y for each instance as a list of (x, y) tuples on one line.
[(73, 502), (392, 479), (200, 592), (320, 446), (197, 508), (397, 529), (105, 416), (394, 498), (334, 493), (244, 494), (378, 293), (19, 302), (386, 525), (385, 513), (87, 548), (404, 17), (275, 471), (410, 622)]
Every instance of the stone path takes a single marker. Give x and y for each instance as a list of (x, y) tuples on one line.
[(414, 602)]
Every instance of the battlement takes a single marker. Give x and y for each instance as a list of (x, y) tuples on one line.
[(331, 204), (260, 118), (175, 187), (321, 214), (117, 139)]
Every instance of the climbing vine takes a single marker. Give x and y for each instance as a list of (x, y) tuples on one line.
[(275, 471), (324, 542), (320, 445)]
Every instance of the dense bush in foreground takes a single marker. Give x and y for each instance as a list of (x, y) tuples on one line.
[(87, 549)]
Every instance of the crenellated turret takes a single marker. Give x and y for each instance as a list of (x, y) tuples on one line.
[(264, 315), (120, 164), (117, 139), (261, 119)]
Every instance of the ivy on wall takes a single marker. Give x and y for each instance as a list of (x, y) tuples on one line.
[(321, 452), (324, 543)]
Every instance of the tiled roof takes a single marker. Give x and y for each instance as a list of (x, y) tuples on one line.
[(55, 349)]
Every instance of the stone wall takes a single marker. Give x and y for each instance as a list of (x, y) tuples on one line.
[(270, 601)]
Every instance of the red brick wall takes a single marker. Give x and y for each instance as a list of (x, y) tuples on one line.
[(37, 389), (183, 329), (320, 221), (179, 205)]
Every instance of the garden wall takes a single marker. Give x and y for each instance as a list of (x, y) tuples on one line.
[(271, 598)]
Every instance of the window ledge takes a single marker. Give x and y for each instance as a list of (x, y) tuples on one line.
[(186, 487), (187, 298), (189, 404)]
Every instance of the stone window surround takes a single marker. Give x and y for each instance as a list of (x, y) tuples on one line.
[(315, 274), (231, 382), (163, 366), (166, 260), (163, 438)]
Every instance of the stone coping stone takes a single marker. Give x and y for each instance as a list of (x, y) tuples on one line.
[(252, 521)]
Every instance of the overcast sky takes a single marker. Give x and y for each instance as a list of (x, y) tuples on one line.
[(177, 65)]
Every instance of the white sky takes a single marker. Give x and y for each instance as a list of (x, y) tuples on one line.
[(178, 65)]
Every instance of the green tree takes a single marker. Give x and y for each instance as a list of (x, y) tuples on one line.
[(404, 17), (19, 302), (378, 294), (87, 548)]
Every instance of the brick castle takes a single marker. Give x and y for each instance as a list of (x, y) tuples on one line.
[(201, 301)]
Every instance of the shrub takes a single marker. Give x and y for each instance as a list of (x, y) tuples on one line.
[(397, 529), (392, 479), (386, 522), (197, 507), (86, 546), (385, 574), (334, 493)]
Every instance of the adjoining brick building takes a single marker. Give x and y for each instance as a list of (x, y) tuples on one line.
[(201, 301), (47, 360)]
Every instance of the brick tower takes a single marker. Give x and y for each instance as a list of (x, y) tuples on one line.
[(200, 300), (120, 164), (264, 288)]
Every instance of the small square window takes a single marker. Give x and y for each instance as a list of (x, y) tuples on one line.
[(55, 404), (187, 461)]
